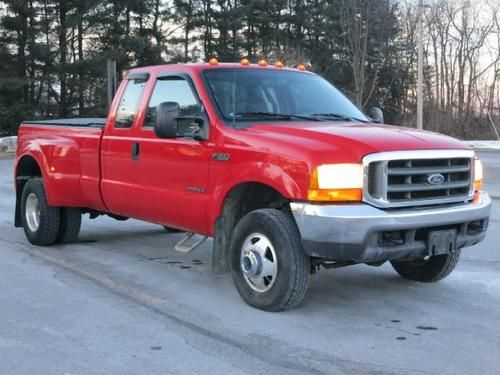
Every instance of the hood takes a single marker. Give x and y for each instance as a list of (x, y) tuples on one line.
[(350, 142)]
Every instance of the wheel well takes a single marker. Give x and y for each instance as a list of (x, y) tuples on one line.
[(26, 169), (28, 166), (241, 200)]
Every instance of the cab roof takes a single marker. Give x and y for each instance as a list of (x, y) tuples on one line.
[(198, 67)]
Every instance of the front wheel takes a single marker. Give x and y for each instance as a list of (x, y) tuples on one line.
[(269, 266), (433, 268)]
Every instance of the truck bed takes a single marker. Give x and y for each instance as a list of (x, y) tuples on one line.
[(94, 122), (69, 151)]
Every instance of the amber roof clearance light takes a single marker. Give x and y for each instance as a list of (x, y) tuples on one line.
[(213, 61), (262, 62), (245, 62), (279, 64), (301, 67)]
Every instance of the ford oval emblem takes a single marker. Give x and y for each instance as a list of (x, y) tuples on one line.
[(435, 179)]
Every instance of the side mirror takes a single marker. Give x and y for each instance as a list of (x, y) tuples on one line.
[(377, 115), (166, 124)]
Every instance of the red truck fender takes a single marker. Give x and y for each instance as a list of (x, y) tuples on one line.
[(236, 195), (264, 174), (57, 161)]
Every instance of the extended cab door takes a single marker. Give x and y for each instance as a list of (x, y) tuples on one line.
[(167, 182), (119, 145)]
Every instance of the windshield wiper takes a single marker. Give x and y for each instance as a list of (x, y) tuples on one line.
[(281, 116), (336, 116)]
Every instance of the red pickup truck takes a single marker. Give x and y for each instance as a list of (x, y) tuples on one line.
[(274, 163)]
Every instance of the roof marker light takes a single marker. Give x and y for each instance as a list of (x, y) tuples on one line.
[(279, 64), (213, 61), (301, 67), (244, 62), (262, 62)]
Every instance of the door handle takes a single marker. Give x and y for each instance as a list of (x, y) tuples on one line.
[(135, 151)]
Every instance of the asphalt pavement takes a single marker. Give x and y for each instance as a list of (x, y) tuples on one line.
[(122, 301)]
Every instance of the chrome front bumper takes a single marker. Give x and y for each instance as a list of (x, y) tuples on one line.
[(356, 232)]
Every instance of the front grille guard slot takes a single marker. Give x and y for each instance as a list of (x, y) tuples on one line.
[(391, 180)]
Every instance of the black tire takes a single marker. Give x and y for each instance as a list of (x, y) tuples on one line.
[(71, 222), (172, 230), (293, 265), (49, 217), (433, 269)]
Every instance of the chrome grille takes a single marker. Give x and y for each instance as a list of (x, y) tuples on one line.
[(416, 178)]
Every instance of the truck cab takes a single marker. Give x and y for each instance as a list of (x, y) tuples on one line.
[(275, 164)]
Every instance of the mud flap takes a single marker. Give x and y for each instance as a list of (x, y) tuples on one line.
[(220, 253)]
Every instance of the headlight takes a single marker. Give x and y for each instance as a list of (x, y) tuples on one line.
[(336, 182), (478, 174)]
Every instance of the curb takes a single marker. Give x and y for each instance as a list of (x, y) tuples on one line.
[(7, 155), (486, 149)]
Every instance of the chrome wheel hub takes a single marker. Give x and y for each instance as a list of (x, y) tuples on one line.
[(258, 262), (32, 212), (251, 263)]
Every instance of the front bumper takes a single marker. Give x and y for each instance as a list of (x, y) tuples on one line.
[(361, 233)]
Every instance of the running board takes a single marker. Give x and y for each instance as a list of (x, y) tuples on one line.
[(183, 247)]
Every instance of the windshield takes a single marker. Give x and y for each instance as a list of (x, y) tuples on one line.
[(248, 94)]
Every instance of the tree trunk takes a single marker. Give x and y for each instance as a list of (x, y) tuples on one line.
[(81, 75), (63, 105)]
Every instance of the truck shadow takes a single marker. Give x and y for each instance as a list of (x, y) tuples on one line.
[(358, 288), (117, 235)]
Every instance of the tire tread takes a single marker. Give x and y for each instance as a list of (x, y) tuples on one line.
[(71, 222), (301, 278), (436, 268)]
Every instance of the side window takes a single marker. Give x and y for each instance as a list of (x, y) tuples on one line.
[(128, 105), (174, 89)]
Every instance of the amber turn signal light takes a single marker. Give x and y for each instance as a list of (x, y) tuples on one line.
[(338, 195), (478, 185)]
